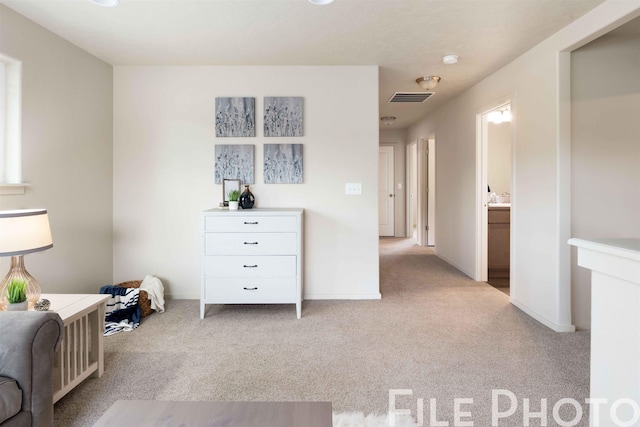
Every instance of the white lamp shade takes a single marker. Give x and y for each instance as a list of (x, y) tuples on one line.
[(24, 231)]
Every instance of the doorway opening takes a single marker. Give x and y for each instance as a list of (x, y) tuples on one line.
[(412, 191), (496, 154), (420, 200)]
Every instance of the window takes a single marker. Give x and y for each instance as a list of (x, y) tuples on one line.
[(10, 127)]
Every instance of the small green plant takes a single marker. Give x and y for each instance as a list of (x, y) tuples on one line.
[(234, 195), (17, 291)]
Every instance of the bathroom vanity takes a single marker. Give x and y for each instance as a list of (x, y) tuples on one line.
[(499, 240)]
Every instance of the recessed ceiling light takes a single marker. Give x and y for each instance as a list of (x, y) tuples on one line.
[(450, 59), (106, 3), (388, 120), (320, 2)]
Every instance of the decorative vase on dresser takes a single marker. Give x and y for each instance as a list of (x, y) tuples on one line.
[(247, 200), (252, 257)]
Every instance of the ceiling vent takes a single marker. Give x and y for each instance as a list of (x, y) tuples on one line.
[(411, 96)]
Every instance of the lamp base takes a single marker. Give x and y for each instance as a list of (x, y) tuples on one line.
[(18, 272)]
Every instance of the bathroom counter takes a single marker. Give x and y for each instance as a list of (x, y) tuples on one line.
[(499, 206)]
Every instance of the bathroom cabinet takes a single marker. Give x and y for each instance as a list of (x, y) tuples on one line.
[(499, 241)]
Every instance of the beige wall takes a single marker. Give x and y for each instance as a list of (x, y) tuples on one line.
[(499, 157), (538, 83), (397, 139), (605, 150), (164, 138), (66, 154)]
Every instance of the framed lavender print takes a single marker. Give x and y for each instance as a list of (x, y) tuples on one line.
[(235, 117), (283, 163), (234, 162), (283, 116)]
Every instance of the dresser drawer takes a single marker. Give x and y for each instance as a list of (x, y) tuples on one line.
[(249, 266), (250, 243), (238, 291), (245, 224)]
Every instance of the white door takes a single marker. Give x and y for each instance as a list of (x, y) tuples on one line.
[(385, 191), (431, 195), (412, 190)]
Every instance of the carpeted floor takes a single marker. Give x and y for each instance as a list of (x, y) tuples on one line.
[(435, 332)]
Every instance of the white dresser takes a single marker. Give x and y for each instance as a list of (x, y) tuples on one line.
[(251, 256)]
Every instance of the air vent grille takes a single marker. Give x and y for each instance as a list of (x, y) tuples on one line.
[(410, 96)]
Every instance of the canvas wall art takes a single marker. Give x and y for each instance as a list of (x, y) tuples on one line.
[(283, 163), (235, 117), (282, 116), (234, 162)]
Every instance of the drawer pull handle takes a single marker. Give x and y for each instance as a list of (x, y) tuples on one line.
[(251, 289), (250, 266), (250, 243), (251, 223)]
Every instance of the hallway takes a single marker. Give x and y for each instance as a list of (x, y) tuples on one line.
[(473, 340)]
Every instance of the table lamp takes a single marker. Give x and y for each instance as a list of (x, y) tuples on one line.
[(23, 232)]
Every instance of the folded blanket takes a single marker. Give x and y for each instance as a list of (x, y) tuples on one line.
[(153, 286), (113, 290), (122, 311)]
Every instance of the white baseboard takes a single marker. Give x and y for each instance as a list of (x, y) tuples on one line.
[(453, 264), (342, 296), (306, 297), (188, 295), (542, 319)]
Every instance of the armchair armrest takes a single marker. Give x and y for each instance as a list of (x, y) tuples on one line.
[(29, 340)]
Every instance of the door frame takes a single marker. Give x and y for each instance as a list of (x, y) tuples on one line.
[(425, 191), (430, 239), (482, 196), (421, 190), (393, 179), (411, 163)]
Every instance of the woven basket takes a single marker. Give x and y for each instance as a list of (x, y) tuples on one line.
[(143, 299)]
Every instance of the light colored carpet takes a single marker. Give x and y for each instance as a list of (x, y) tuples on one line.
[(435, 332), (358, 419)]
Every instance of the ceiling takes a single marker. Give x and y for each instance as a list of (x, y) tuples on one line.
[(405, 38)]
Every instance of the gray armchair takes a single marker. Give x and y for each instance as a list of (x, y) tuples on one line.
[(28, 340)]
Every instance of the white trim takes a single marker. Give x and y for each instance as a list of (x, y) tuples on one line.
[(10, 142), (618, 13), (482, 178), (343, 296), (13, 189), (454, 265), (430, 197), (374, 296), (540, 318), (421, 190), (563, 189), (481, 197), (407, 187)]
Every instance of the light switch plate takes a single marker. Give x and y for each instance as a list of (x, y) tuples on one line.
[(353, 188)]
